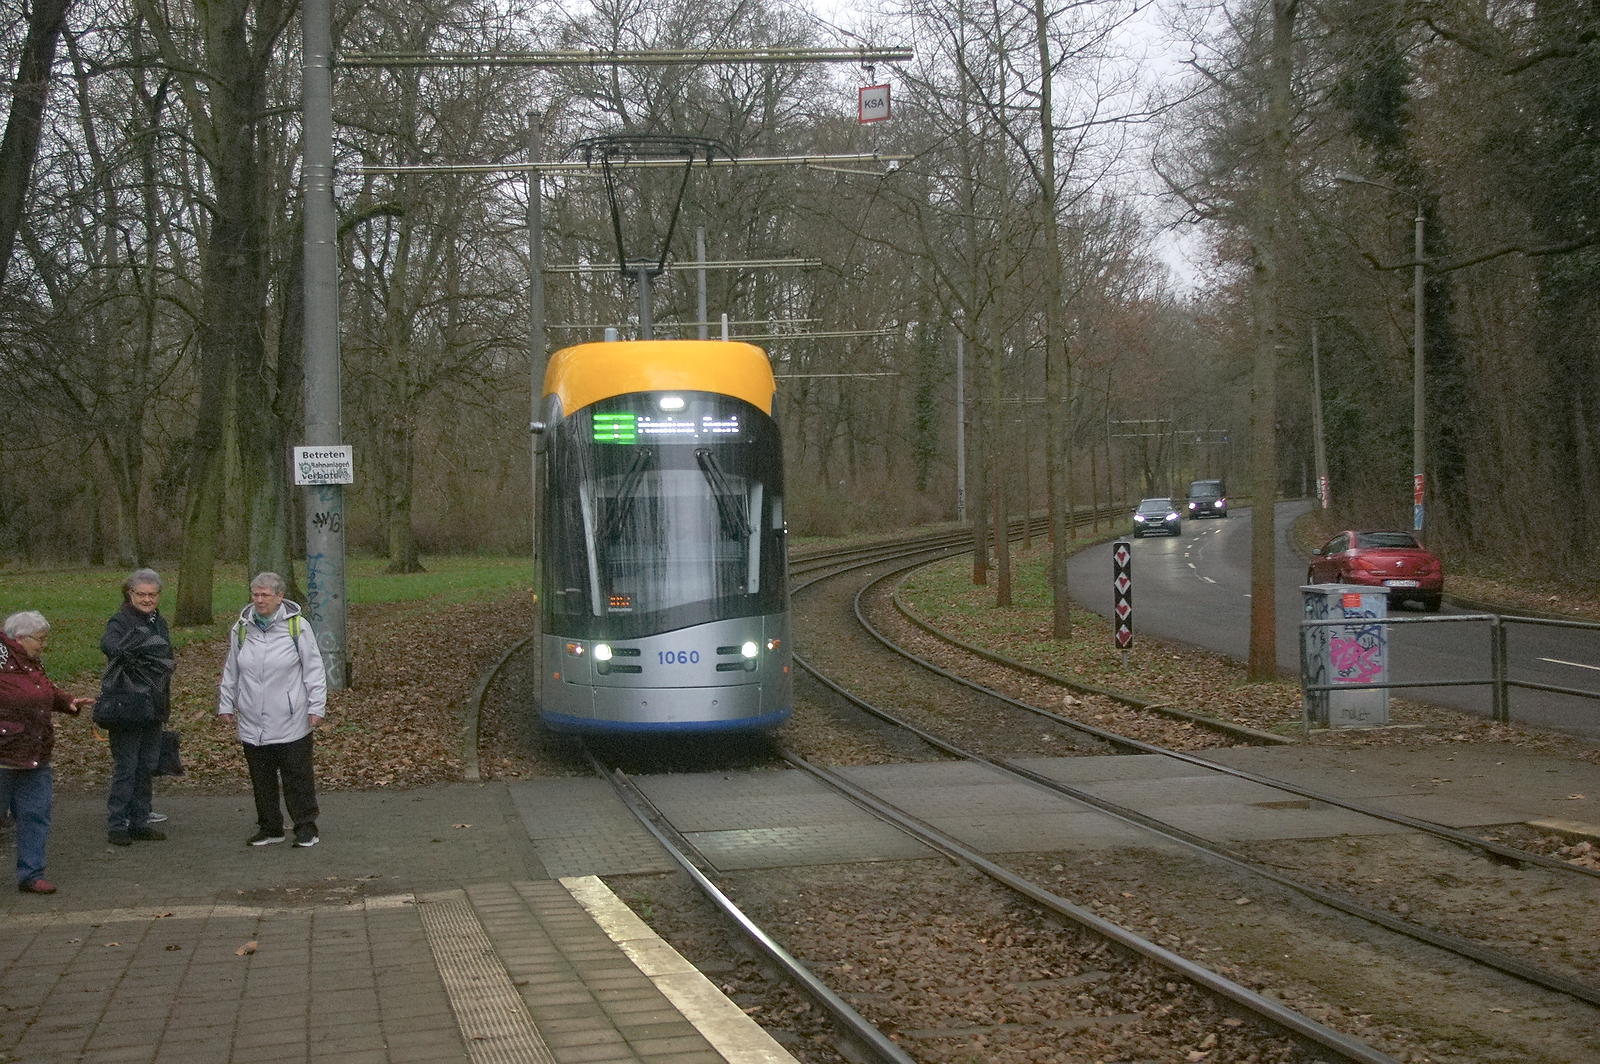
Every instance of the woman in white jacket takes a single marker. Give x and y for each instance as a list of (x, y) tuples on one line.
[(275, 691)]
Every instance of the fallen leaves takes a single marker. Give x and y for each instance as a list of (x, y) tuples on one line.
[(246, 949), (400, 726)]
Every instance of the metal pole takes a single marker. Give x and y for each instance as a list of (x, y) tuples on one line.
[(1497, 670), (536, 331), (325, 598), (700, 257), (724, 328), (961, 428), (647, 329), (1317, 426), (1418, 424)]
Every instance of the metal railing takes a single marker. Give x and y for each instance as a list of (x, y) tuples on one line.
[(1498, 681)]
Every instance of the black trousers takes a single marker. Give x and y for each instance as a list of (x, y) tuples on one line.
[(291, 762)]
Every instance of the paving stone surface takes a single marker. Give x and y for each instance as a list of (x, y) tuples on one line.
[(201, 950)]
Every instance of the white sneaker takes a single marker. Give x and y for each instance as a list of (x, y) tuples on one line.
[(156, 818)]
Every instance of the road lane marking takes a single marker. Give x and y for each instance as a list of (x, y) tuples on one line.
[(1574, 664)]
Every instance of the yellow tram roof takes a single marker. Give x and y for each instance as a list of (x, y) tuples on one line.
[(588, 373)]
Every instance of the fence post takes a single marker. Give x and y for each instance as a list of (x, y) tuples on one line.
[(1305, 696), (1497, 670)]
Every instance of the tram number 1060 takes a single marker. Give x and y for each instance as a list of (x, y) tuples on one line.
[(678, 657)]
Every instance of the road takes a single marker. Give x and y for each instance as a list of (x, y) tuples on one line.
[(1195, 588)]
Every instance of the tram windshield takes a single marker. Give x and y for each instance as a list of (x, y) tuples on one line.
[(663, 510)]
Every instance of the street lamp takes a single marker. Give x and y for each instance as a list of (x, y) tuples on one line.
[(1418, 422)]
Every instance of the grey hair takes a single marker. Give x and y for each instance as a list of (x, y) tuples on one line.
[(28, 622), (269, 582), (138, 577)]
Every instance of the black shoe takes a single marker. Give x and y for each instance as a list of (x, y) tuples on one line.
[(144, 834), (119, 838), (305, 837), (264, 838)]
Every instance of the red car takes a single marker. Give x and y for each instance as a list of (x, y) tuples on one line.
[(1394, 560)]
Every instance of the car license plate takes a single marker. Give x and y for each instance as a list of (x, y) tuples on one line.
[(1401, 583)]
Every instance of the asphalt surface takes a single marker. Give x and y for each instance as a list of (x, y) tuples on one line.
[(1195, 588)]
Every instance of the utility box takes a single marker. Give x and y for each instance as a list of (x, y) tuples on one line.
[(1356, 653)]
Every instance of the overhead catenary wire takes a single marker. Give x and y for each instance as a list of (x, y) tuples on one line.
[(628, 57), (583, 166)]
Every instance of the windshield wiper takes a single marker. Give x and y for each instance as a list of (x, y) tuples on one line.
[(731, 506), (621, 504)]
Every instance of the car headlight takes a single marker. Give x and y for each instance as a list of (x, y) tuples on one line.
[(1173, 516), (1217, 505), (1139, 518)]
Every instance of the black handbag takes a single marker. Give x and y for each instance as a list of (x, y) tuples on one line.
[(169, 763)]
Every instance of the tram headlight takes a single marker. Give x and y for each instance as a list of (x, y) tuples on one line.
[(575, 649), (602, 652), (774, 644), (671, 402), (750, 649)]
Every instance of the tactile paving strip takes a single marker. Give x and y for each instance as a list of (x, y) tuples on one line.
[(494, 1024)]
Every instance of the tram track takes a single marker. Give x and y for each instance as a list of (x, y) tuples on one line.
[(1280, 1020), (1580, 990), (1101, 740)]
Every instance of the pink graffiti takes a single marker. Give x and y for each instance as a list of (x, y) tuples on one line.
[(1354, 663)]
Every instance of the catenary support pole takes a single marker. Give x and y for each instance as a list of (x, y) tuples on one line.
[(1418, 389), (961, 428), (325, 597), (1318, 430), (536, 330)]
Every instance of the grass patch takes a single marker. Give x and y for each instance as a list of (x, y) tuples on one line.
[(1184, 677), (77, 602)]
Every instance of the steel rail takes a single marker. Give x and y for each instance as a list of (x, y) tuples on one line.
[(1237, 731), (1304, 1026), (847, 1017), (1439, 831), (1462, 947), (1485, 955)]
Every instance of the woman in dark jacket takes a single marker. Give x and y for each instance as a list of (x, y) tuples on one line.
[(27, 735), (135, 698)]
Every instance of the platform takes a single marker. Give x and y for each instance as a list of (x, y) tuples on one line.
[(199, 962)]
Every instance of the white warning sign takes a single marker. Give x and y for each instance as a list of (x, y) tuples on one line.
[(335, 464), (872, 103)]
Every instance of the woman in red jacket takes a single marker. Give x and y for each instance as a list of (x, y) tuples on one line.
[(27, 734)]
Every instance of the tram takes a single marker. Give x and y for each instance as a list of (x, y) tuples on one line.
[(665, 602)]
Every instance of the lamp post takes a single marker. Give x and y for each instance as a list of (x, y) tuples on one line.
[(1418, 415)]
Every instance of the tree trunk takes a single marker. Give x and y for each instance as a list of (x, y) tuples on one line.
[(29, 91), (1269, 251), (1057, 369)]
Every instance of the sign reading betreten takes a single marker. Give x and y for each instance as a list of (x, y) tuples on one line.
[(335, 464)]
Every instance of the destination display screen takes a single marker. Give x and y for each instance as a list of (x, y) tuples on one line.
[(698, 422)]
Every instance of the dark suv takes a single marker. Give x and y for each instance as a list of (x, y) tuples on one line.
[(1207, 499)]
